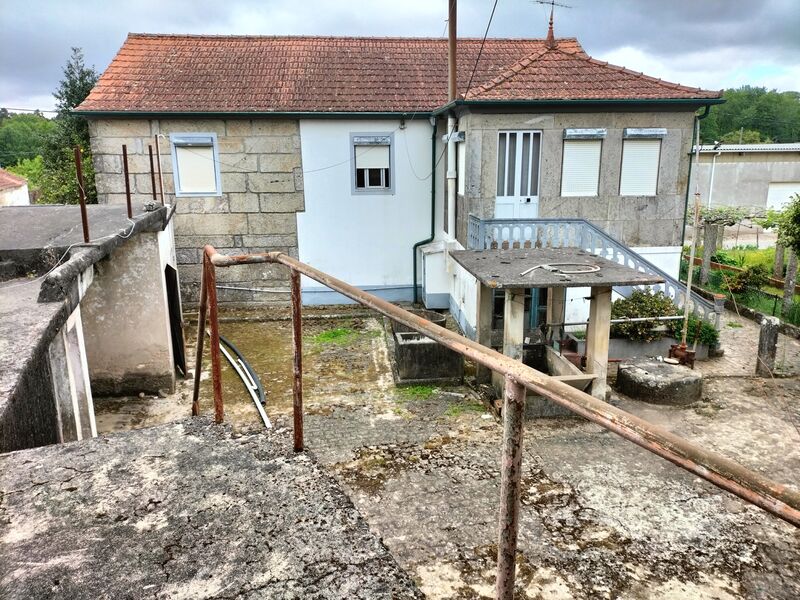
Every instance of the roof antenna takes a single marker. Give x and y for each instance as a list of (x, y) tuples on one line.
[(550, 42)]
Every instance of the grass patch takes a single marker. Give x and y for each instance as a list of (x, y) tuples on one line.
[(340, 335), (416, 392), (459, 408), (734, 325)]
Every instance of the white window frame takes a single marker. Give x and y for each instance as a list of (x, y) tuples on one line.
[(636, 134), (199, 140), (516, 192), (370, 139), (594, 139)]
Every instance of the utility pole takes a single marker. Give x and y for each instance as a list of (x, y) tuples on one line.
[(452, 29)]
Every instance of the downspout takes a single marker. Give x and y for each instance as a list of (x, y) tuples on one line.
[(433, 207), (711, 181), (697, 120)]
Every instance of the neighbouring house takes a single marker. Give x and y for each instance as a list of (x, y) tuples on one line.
[(13, 189), (334, 150), (752, 176)]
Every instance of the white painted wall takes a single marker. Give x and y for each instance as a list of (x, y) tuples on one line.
[(667, 258), (364, 239), (15, 196)]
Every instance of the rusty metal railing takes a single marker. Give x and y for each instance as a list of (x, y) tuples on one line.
[(729, 475)]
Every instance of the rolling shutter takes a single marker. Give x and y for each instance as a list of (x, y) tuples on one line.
[(372, 157), (580, 168), (196, 171), (639, 175)]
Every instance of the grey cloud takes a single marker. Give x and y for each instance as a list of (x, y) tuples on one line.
[(35, 44)]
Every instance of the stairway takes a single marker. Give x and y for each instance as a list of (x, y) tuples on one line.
[(580, 233)]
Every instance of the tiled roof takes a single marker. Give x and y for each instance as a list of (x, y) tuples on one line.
[(9, 180), (787, 147), (187, 73)]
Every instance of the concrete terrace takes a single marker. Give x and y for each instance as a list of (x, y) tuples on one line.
[(185, 510)]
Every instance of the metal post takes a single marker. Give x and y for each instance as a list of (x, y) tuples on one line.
[(152, 172), (201, 334), (160, 178), (297, 347), (81, 195), (216, 373), (127, 179), (510, 485)]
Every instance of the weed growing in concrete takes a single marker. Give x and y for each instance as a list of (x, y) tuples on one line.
[(340, 335), (459, 408), (734, 325), (416, 392)]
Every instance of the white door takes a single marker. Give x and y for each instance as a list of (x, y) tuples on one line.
[(779, 194), (518, 155)]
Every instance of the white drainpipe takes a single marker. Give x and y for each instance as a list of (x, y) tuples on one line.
[(451, 178), (711, 179)]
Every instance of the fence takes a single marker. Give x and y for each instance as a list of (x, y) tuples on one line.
[(519, 378)]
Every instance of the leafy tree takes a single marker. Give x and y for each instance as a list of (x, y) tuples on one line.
[(59, 183), (774, 115), (789, 238), (22, 136), (748, 136)]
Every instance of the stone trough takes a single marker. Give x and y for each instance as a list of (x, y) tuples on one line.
[(659, 382), (418, 359)]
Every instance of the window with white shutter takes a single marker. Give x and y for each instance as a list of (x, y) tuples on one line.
[(195, 160), (372, 160), (580, 167), (639, 173)]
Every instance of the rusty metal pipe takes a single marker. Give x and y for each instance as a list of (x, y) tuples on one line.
[(127, 180), (160, 177), (727, 474), (152, 171), (81, 194), (213, 316), (201, 327), (510, 487), (297, 362)]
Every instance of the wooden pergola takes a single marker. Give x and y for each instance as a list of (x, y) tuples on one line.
[(555, 269)]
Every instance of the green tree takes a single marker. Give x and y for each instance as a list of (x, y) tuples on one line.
[(59, 182), (747, 136), (774, 115), (789, 238), (22, 136)]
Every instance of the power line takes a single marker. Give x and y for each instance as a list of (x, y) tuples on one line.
[(30, 110), (480, 51)]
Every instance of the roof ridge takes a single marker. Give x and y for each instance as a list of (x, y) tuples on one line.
[(144, 35), (642, 75), (512, 70)]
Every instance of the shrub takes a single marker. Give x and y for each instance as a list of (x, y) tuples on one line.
[(699, 329), (641, 304), (748, 280), (723, 258)]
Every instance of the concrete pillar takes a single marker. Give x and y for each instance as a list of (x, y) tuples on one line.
[(484, 330), (556, 309), (767, 346), (597, 339), (513, 328)]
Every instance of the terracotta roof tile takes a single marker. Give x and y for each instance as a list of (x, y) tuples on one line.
[(187, 73), (9, 180)]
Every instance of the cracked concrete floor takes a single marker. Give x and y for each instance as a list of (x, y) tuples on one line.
[(601, 518)]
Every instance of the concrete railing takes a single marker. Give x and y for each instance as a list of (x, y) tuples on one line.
[(580, 233)]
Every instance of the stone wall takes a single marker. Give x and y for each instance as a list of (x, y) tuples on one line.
[(636, 221), (262, 190)]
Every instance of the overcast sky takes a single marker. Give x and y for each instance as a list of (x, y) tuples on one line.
[(707, 43)]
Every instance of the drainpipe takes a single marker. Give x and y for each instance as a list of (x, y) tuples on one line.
[(697, 120), (433, 207), (711, 179)]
